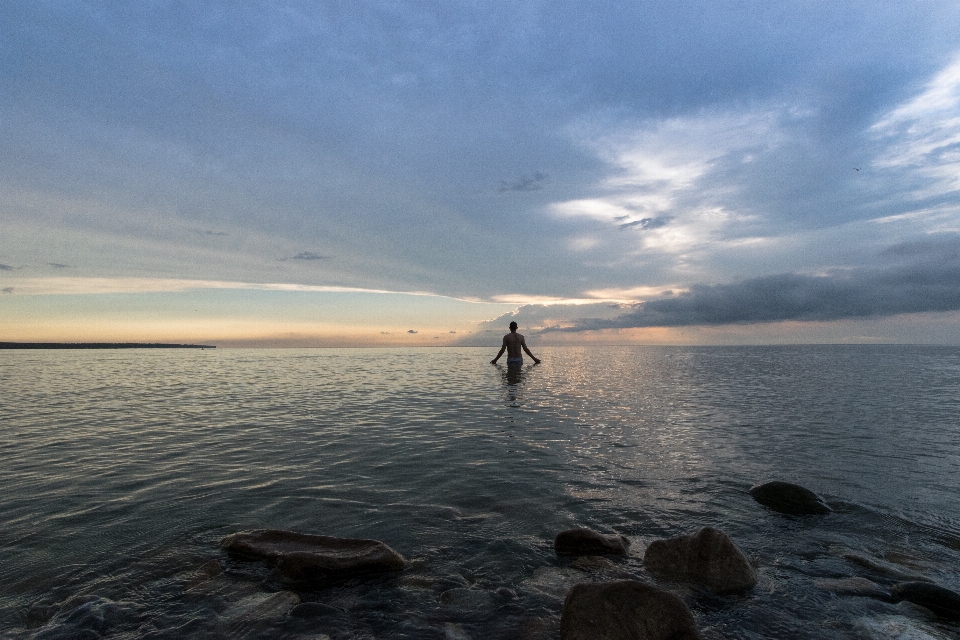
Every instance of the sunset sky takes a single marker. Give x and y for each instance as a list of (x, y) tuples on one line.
[(290, 173)]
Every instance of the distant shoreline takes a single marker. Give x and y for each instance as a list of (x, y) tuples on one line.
[(101, 345)]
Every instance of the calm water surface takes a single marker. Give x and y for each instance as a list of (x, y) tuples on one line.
[(121, 471)]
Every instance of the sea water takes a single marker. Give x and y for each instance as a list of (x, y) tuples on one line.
[(120, 471)]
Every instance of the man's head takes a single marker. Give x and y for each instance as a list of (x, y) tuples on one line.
[(513, 326)]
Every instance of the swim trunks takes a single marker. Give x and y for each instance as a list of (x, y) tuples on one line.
[(514, 362)]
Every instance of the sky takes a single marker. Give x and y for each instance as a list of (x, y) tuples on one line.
[(419, 173)]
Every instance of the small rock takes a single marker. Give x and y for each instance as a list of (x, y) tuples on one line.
[(854, 587), (314, 610), (453, 631), (262, 607), (553, 582), (208, 571), (302, 557), (467, 598), (897, 628), (943, 602), (881, 567), (591, 563), (788, 498), (585, 542), (708, 558), (627, 610)]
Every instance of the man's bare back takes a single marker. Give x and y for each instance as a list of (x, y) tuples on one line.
[(514, 344)]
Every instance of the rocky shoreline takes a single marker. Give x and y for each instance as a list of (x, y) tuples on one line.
[(601, 600)]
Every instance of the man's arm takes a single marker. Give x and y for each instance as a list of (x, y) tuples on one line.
[(523, 343), (502, 349)]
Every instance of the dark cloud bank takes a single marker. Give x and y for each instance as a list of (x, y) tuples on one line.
[(930, 282)]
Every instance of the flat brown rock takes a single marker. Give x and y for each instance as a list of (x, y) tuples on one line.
[(585, 542), (308, 558), (626, 610), (708, 558)]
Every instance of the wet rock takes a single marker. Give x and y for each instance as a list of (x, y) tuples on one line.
[(208, 571), (592, 563), (585, 542), (536, 628), (453, 631), (788, 498), (80, 617), (461, 598), (553, 582), (301, 557), (898, 628), (627, 610), (314, 610), (881, 567), (251, 615), (943, 602), (854, 587), (708, 558)]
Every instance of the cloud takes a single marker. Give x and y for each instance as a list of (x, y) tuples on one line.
[(412, 331), (928, 281), (6, 267), (6, 290), (525, 183), (645, 223), (307, 255), (57, 265)]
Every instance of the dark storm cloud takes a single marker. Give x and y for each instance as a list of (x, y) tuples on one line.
[(927, 285), (525, 183)]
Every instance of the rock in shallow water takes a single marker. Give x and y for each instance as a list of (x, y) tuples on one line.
[(708, 558), (943, 602), (788, 498), (303, 557), (627, 610), (585, 542), (853, 587)]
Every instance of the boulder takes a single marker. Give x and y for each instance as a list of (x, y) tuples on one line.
[(300, 557), (708, 558), (627, 610), (943, 602), (788, 498), (584, 542)]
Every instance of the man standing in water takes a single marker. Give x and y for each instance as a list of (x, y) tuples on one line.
[(512, 343)]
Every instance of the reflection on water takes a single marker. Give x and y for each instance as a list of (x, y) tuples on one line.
[(122, 470), (513, 378)]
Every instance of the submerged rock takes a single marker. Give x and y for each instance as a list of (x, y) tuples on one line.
[(853, 587), (303, 557), (585, 542), (943, 602), (627, 610), (708, 558), (879, 566), (592, 563), (788, 498), (314, 610), (80, 617)]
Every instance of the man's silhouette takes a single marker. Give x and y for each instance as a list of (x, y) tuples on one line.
[(513, 342)]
